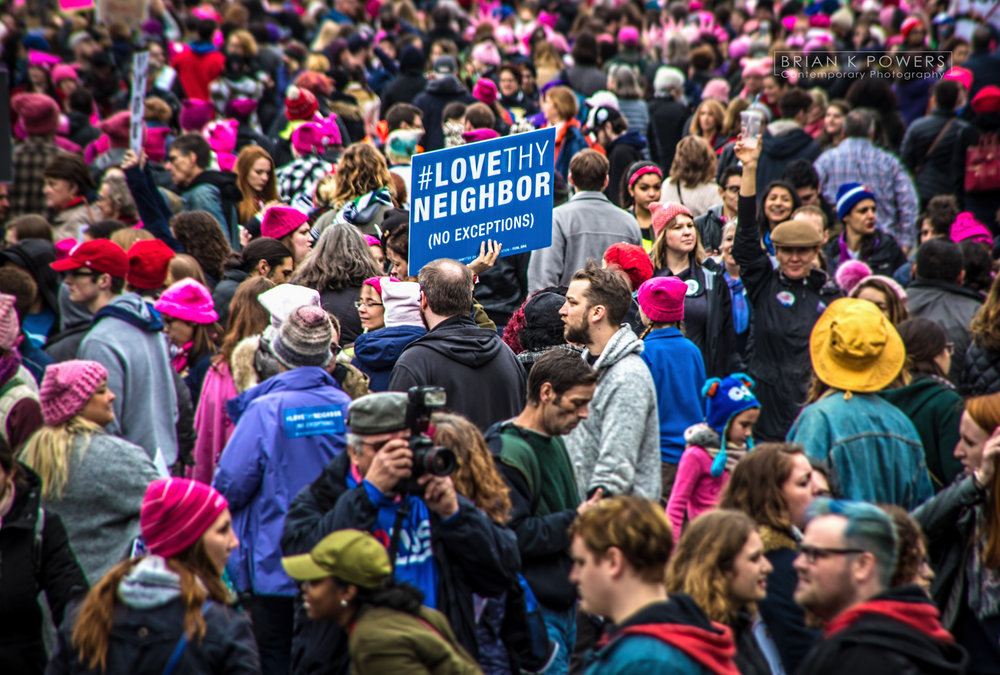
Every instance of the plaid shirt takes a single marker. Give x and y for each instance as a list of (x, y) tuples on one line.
[(29, 160), (297, 179), (858, 160)]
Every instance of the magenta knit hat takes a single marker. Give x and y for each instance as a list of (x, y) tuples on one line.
[(67, 387), (280, 220), (376, 283), (187, 300), (10, 328), (485, 91), (662, 299), (176, 512), (967, 227), (195, 114), (850, 274), (664, 213)]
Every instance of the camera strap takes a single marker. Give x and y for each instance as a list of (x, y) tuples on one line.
[(401, 513)]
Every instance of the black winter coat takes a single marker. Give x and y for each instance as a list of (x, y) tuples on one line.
[(402, 89), (624, 151), (142, 641), (666, 129), (480, 374), (981, 372), (790, 143), (503, 287), (784, 314), (473, 554), (942, 172), (885, 257), (432, 100), (749, 658), (877, 644), (23, 573)]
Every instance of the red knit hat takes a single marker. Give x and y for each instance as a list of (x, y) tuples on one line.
[(632, 260), (909, 24), (662, 299), (187, 300), (148, 264), (317, 83), (987, 100), (117, 128), (300, 104), (38, 113), (280, 220), (67, 387), (664, 213), (176, 512)]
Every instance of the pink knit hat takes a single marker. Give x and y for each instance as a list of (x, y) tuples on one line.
[(485, 91), (662, 299), (378, 283), (850, 274), (221, 135), (487, 54), (187, 300), (961, 75), (664, 213), (64, 71), (316, 136), (967, 227), (716, 88), (10, 328), (117, 128), (176, 512), (280, 220), (195, 114), (67, 387), (155, 143)]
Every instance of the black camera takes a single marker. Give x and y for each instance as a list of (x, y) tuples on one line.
[(427, 458)]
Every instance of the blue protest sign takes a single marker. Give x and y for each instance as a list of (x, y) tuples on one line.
[(322, 420), (499, 189)]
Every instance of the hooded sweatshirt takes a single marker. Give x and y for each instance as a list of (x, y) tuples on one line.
[(673, 637), (375, 353), (440, 91), (897, 632), (783, 142), (617, 446), (127, 339), (480, 374)]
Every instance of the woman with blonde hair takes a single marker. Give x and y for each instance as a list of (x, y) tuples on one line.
[(72, 454), (363, 191), (255, 178), (175, 595), (720, 562), (707, 123), (692, 177), (962, 524)]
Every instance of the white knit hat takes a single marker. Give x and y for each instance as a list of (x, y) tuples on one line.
[(283, 299), (401, 302)]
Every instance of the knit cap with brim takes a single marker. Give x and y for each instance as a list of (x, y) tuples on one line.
[(796, 234), (10, 328), (187, 300), (304, 338), (67, 387), (176, 512)]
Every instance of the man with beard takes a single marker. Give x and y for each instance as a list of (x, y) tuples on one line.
[(846, 558), (532, 458), (483, 379), (616, 448)]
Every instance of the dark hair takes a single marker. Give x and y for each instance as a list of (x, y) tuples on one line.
[(608, 288), (585, 49), (755, 485), (480, 116), (909, 538), (941, 211), (978, 266), (81, 101), (801, 173), (400, 113), (946, 93), (272, 251), (924, 339), (206, 29), (624, 196), (246, 316), (103, 229), (793, 102), (447, 285), (31, 226), (562, 369), (589, 169), (513, 69), (729, 172), (939, 260), (194, 143), (762, 221), (200, 234), (398, 240), (11, 466), (400, 597), (18, 282), (72, 168), (453, 110)]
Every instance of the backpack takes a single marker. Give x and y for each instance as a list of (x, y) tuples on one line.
[(982, 165)]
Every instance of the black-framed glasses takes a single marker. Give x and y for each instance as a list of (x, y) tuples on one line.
[(814, 553), (358, 304), (81, 272)]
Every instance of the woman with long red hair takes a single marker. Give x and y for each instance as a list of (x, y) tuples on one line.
[(255, 178)]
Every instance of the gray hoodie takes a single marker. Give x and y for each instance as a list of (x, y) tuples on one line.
[(127, 339), (618, 446)]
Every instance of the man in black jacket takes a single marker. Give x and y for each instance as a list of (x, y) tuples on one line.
[(845, 561), (446, 547), (532, 458), (410, 81), (668, 113), (444, 88), (482, 377)]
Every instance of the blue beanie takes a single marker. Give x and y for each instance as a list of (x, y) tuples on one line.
[(726, 398), (850, 194)]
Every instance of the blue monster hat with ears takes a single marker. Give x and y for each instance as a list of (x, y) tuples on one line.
[(724, 399)]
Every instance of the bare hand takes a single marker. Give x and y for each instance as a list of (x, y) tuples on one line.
[(439, 495), (991, 454), (130, 159), (391, 464), (590, 503), (489, 251), (744, 154)]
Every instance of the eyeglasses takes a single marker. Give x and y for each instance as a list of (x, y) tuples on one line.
[(734, 189), (814, 553), (80, 272), (358, 304)]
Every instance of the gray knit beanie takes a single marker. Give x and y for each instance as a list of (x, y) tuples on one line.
[(304, 338)]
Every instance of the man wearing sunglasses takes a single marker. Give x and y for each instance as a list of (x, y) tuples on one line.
[(846, 558)]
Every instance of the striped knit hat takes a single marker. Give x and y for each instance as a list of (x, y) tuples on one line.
[(305, 338), (850, 194), (176, 512)]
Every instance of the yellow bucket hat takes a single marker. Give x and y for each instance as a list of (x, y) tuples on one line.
[(853, 347)]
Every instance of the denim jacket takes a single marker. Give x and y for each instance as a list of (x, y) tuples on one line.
[(872, 449)]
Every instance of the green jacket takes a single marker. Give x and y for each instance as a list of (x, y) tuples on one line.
[(935, 410), (385, 640)]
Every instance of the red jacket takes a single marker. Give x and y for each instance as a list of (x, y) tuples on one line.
[(196, 69)]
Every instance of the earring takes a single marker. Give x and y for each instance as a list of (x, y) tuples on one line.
[(343, 603)]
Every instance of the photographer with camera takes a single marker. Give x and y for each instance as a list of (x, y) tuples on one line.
[(438, 541)]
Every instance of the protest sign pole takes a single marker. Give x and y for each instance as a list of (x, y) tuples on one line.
[(140, 70)]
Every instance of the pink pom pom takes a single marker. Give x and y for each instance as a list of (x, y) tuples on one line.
[(850, 274)]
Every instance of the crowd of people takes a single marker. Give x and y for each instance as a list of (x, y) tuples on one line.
[(742, 415)]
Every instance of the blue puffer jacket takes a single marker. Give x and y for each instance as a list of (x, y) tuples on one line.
[(287, 429), (376, 353), (873, 450)]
